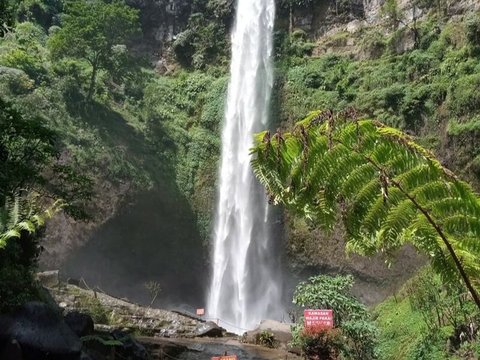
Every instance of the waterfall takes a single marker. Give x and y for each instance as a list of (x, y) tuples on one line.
[(245, 285)]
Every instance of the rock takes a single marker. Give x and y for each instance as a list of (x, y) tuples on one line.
[(209, 329), (48, 279), (81, 324), (354, 26), (161, 67), (11, 351), (131, 348), (281, 332), (85, 356), (39, 331)]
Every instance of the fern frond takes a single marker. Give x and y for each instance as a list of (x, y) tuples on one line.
[(387, 189)]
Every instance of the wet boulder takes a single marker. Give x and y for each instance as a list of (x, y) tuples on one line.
[(130, 348), (48, 279), (39, 330), (281, 333), (209, 329), (80, 323), (11, 351)]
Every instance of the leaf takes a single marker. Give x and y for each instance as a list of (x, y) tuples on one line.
[(387, 189)]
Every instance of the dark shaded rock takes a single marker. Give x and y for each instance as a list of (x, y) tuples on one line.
[(209, 329), (85, 356), (40, 331), (130, 348), (11, 351), (81, 324)]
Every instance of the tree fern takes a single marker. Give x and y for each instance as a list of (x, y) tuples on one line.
[(388, 189), (20, 214)]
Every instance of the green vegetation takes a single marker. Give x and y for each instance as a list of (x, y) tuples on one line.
[(79, 115), (210, 19), (419, 91), (354, 335), (427, 320), (83, 118), (387, 189), (266, 338), (99, 31)]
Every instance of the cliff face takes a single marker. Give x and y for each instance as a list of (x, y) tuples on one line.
[(321, 17), (160, 21)]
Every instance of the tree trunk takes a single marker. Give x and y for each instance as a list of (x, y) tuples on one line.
[(290, 26), (93, 78)]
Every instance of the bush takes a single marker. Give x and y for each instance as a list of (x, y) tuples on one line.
[(16, 81), (18, 260), (472, 28), (463, 98), (266, 338), (321, 344), (43, 12), (358, 333)]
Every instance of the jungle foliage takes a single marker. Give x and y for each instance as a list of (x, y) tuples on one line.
[(428, 319), (99, 31), (421, 90), (354, 335), (386, 189)]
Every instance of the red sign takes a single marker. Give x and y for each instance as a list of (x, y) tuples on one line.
[(200, 312), (322, 319), (226, 357)]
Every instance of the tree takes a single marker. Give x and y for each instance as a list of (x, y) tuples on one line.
[(26, 147), (91, 30), (386, 189), (29, 151), (7, 18)]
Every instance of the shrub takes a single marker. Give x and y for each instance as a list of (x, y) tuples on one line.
[(43, 12), (472, 28), (463, 98), (352, 321), (321, 344), (266, 338)]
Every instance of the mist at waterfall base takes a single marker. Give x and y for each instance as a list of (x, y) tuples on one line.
[(246, 283), (155, 238)]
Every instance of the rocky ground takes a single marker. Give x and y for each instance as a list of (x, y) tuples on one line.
[(78, 323)]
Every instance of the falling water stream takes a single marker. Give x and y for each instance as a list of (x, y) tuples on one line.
[(245, 285)]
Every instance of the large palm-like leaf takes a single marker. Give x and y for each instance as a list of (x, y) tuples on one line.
[(387, 189), (20, 214)]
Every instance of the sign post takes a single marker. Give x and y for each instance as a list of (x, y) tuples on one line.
[(318, 319)]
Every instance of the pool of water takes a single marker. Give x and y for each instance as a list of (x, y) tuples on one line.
[(206, 351)]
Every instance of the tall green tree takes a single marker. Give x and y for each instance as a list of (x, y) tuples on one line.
[(386, 189), (29, 153), (7, 15), (26, 147), (92, 31)]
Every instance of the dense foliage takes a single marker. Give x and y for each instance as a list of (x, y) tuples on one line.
[(428, 320), (425, 91), (99, 31), (138, 131), (386, 189), (354, 335)]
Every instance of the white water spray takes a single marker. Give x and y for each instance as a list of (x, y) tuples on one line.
[(245, 287)]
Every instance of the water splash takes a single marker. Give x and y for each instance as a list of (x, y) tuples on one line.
[(245, 285)]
